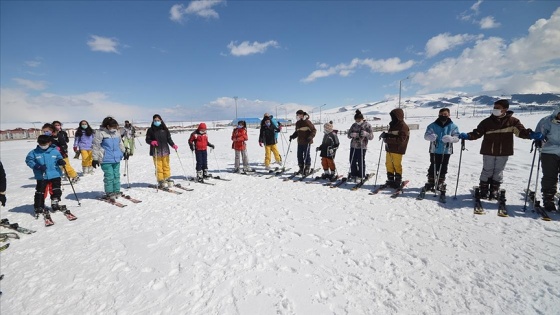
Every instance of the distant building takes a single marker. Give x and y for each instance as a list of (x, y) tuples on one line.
[(251, 122)]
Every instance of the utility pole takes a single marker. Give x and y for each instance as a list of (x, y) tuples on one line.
[(400, 89), (235, 98)]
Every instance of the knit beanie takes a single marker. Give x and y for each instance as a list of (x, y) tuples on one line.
[(328, 127), (358, 115), (202, 126)]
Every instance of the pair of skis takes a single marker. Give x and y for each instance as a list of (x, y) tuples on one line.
[(537, 206), (479, 209), (47, 216), (398, 191), (278, 172), (442, 189), (114, 202), (14, 226)]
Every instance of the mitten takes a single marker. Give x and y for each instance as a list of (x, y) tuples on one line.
[(61, 162), (431, 137), (154, 143), (40, 167), (95, 164), (175, 147)]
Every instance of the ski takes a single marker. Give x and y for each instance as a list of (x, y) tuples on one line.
[(276, 169), (47, 218), (343, 180), (361, 183), (183, 188), (219, 178), (166, 189), (478, 209), (5, 236), (400, 190), (14, 226), (378, 189), (307, 175), (65, 211), (278, 172), (3, 247), (112, 202), (129, 198), (291, 176), (193, 179), (502, 210)]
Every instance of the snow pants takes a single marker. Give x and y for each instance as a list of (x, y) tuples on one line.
[(328, 164), (550, 164), (303, 156), (68, 167), (44, 187), (87, 157), (358, 162), (112, 177), (493, 168), (201, 160), (163, 170), (393, 162), (129, 144), (437, 161), (274, 149), (241, 155)]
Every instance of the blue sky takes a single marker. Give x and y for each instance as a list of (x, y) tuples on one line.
[(187, 60)]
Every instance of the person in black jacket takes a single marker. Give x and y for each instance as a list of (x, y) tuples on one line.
[(2, 185), (267, 137), (328, 151), (159, 139)]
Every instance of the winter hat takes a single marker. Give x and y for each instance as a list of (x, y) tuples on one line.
[(300, 112), (157, 116), (358, 115), (202, 126), (503, 103), (328, 127)]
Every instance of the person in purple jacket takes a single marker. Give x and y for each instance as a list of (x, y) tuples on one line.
[(83, 143)]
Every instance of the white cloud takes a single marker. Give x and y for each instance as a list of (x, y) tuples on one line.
[(445, 41), (33, 63), (390, 65), (224, 107), (530, 62), (32, 85), (246, 48), (488, 23), (103, 44), (476, 7), (202, 8)]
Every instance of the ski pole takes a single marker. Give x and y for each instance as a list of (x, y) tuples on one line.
[(530, 176), (378, 163), (128, 177), (314, 162), (436, 183), (537, 177), (156, 164), (286, 156), (217, 165), (459, 170), (71, 185), (180, 162)]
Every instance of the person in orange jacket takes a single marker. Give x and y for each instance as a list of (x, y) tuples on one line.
[(198, 142), (239, 137)]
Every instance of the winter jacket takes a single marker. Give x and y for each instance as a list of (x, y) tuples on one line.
[(550, 128), (49, 158), (84, 142), (498, 134), (2, 178), (239, 136), (199, 141), (398, 133), (107, 146), (267, 134), (128, 133), (305, 131), (329, 145), (364, 133), (442, 129), (163, 137), (61, 145)]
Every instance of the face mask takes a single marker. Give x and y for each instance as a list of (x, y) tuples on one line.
[(47, 133), (157, 123), (497, 112), (44, 147), (360, 122), (239, 126), (84, 126), (112, 130), (202, 132), (443, 118), (267, 123), (299, 117)]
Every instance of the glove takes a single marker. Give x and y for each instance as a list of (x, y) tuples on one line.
[(260, 144), (211, 145), (126, 155), (279, 128), (536, 135), (61, 162), (447, 139), (292, 137), (431, 137), (538, 143), (75, 149), (191, 146), (383, 135), (354, 135), (40, 167), (464, 136), (175, 147), (318, 149), (3, 199), (364, 133), (154, 143), (95, 164)]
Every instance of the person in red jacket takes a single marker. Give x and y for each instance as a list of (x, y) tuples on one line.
[(239, 136), (198, 142)]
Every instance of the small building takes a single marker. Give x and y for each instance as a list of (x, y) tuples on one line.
[(251, 122)]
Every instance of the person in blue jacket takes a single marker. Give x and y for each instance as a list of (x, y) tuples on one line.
[(549, 126), (442, 133), (46, 160), (108, 151)]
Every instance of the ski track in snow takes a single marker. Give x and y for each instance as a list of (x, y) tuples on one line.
[(265, 246)]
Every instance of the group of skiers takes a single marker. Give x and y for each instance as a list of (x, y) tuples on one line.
[(106, 147)]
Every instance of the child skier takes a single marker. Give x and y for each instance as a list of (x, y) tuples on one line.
[(497, 145), (268, 137), (60, 141), (549, 126), (46, 160), (328, 151), (396, 142), (239, 137), (360, 133), (198, 142), (108, 151), (159, 139), (83, 143), (305, 132), (128, 133), (442, 133)]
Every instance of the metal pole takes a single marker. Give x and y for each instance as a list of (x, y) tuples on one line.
[(400, 88), (235, 98)]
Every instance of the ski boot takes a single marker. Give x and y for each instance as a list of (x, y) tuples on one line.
[(333, 176), (55, 206), (39, 211), (494, 190), (484, 186), (390, 180), (200, 176), (237, 170), (548, 200), (170, 182), (306, 170), (398, 181), (326, 174), (162, 184), (442, 187), (247, 169), (75, 180), (205, 174), (300, 170)]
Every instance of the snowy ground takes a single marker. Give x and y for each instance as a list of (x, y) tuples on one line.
[(265, 246)]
